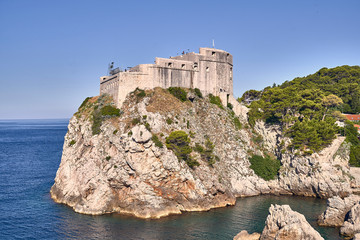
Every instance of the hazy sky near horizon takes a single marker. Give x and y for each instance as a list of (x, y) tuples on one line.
[(53, 52)]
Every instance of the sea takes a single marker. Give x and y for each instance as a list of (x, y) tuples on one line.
[(30, 154)]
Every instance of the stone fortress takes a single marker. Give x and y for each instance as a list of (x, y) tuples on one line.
[(210, 70)]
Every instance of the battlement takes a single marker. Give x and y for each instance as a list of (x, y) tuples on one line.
[(210, 70)]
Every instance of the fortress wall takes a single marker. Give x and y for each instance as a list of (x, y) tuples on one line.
[(173, 73), (210, 70), (110, 85), (168, 77), (129, 81)]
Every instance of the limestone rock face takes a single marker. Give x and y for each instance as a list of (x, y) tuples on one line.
[(352, 224), (324, 174), (284, 224), (120, 169), (357, 236), (336, 211), (140, 134)]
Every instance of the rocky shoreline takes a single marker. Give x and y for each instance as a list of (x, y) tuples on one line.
[(124, 169)]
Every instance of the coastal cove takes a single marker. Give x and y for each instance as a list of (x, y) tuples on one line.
[(30, 152)]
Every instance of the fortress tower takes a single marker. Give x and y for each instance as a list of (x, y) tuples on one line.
[(210, 70)]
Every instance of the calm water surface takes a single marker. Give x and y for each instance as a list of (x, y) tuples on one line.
[(30, 152)]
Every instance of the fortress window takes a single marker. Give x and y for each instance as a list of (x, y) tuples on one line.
[(195, 66), (169, 64), (230, 70), (183, 66), (207, 69), (213, 54)]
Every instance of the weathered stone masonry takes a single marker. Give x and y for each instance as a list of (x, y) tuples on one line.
[(210, 70)]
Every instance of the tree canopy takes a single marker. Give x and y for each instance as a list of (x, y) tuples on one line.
[(306, 108)]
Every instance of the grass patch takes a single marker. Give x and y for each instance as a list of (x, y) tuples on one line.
[(147, 126), (266, 168), (84, 103), (156, 140), (215, 100), (198, 93), (139, 94), (108, 158), (109, 110), (237, 123), (135, 121), (100, 110), (72, 142), (169, 121)]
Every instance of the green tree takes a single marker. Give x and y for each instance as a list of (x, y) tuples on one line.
[(331, 101), (178, 142)]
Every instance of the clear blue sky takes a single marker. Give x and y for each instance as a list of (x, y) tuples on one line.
[(53, 52)]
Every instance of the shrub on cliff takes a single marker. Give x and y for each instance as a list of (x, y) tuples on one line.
[(352, 135), (307, 105), (266, 168), (198, 93), (156, 140), (178, 142), (110, 111), (215, 100), (84, 103), (178, 92), (101, 110)]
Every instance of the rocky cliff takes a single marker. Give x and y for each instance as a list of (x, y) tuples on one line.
[(344, 213), (120, 163), (282, 223)]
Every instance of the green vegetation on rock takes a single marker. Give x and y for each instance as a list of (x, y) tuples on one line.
[(352, 135), (169, 121), (84, 103), (266, 168), (178, 92), (198, 93), (305, 107), (178, 142), (110, 111), (206, 152), (139, 94), (215, 100), (72, 142), (101, 109), (157, 142)]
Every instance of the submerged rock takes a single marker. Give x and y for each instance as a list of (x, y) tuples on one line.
[(244, 235)]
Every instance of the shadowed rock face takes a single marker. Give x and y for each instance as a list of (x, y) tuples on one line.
[(342, 212), (284, 224), (122, 170), (336, 211), (352, 224)]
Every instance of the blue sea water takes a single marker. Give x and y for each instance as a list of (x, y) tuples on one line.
[(30, 153)]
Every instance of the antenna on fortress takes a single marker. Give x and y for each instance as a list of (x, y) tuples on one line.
[(110, 67), (213, 43)]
